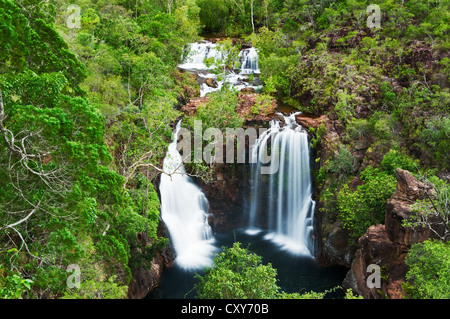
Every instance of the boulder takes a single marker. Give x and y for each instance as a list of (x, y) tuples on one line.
[(248, 90), (211, 82), (308, 121)]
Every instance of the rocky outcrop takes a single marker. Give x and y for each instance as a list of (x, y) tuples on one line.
[(387, 245), (309, 121), (191, 107), (145, 279), (398, 208), (211, 82), (247, 100)]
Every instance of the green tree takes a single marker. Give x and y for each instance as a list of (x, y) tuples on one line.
[(240, 274), (428, 270), (365, 207), (237, 274)]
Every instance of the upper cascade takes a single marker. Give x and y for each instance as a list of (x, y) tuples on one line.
[(198, 52)]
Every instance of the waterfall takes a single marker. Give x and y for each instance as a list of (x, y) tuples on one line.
[(184, 210), (282, 202), (249, 61), (193, 61), (196, 55)]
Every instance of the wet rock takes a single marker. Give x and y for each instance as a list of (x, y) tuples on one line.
[(211, 83)]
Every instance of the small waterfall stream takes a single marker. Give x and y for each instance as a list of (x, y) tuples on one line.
[(198, 52), (281, 201), (184, 210), (249, 61)]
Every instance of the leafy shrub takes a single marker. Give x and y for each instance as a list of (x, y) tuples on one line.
[(396, 159), (343, 163), (429, 270), (365, 207), (436, 135), (13, 285), (358, 128), (240, 274)]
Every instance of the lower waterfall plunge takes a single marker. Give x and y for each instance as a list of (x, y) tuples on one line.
[(184, 210), (281, 201)]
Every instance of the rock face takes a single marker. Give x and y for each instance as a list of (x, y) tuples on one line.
[(307, 121), (335, 248), (191, 107), (225, 196), (387, 245), (145, 279), (398, 208), (332, 245)]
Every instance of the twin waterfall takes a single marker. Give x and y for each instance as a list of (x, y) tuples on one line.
[(281, 201)]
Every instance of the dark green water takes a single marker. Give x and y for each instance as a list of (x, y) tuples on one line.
[(295, 273)]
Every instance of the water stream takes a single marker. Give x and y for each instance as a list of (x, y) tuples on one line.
[(281, 201), (184, 210)]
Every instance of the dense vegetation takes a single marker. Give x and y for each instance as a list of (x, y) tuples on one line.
[(85, 118)]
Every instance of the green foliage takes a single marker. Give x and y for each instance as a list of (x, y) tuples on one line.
[(349, 295), (428, 270), (219, 112), (318, 134), (436, 136), (92, 289), (237, 274), (358, 128), (433, 212), (344, 107), (343, 163), (13, 285), (365, 207), (74, 187), (240, 274), (396, 159), (49, 52)]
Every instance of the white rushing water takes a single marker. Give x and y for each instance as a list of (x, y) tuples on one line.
[(184, 210), (249, 61), (282, 202), (198, 52)]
